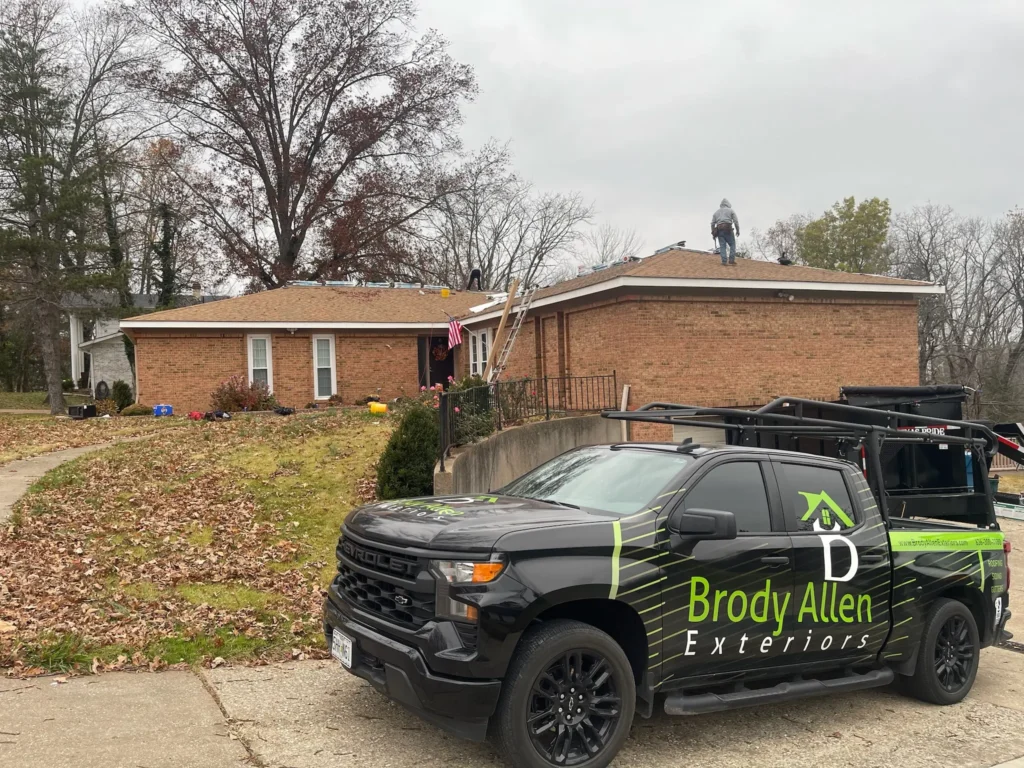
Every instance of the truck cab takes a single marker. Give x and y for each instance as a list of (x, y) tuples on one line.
[(615, 578)]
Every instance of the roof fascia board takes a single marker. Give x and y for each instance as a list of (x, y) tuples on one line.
[(284, 325), (634, 281)]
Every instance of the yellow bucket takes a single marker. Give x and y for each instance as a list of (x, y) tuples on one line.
[(378, 407)]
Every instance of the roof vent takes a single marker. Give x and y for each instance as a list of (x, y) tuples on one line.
[(784, 260), (680, 246)]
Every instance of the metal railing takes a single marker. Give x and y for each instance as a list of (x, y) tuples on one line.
[(470, 414)]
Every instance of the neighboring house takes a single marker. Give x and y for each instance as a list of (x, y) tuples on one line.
[(675, 326), (98, 351)]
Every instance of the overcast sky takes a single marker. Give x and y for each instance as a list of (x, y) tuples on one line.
[(656, 109)]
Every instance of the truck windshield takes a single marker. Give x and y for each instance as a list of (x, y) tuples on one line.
[(621, 480)]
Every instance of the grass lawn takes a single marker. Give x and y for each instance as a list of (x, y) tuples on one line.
[(29, 435), (35, 400), (216, 539)]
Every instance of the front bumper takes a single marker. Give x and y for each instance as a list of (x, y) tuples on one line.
[(462, 707)]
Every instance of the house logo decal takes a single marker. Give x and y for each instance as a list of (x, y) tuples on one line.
[(828, 509)]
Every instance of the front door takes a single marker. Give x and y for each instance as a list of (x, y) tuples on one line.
[(727, 603), (437, 362), (841, 561)]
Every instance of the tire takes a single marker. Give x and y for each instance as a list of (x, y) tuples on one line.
[(536, 677), (947, 661)]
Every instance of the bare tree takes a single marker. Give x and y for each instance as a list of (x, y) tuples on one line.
[(781, 239), (61, 92), (606, 244), (499, 224), (314, 116), (963, 333)]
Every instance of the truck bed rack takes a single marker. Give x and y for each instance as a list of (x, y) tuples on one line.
[(863, 435)]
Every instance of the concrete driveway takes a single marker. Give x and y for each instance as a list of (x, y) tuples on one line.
[(313, 714)]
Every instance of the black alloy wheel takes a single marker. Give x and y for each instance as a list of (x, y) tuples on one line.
[(574, 708), (954, 654), (947, 656)]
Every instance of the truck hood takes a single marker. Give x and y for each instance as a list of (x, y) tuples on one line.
[(460, 523)]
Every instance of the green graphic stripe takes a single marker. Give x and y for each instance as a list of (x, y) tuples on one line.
[(617, 532), (906, 541)]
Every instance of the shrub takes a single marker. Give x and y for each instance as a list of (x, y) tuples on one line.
[(121, 393), (137, 409), (106, 407), (406, 467), (67, 384), (466, 382), (237, 394), (335, 400)]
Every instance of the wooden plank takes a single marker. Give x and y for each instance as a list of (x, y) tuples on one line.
[(497, 344)]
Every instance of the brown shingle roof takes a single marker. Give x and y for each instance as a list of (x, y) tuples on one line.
[(700, 265), (325, 304)]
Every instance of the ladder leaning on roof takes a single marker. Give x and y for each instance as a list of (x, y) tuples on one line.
[(506, 349)]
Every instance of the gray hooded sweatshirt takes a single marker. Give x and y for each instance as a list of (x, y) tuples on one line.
[(726, 213)]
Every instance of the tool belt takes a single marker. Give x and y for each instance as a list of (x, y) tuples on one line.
[(723, 228)]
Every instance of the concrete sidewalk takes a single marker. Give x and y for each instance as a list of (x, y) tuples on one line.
[(313, 714), (165, 720), (16, 477)]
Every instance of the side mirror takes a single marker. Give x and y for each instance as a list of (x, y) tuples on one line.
[(702, 523)]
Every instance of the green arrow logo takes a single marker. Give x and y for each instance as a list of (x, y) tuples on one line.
[(828, 508)]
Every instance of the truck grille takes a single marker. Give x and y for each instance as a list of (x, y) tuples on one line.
[(380, 560), (376, 592)]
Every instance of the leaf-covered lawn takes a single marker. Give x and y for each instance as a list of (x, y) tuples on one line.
[(36, 400), (211, 541), (30, 435), (1011, 482)]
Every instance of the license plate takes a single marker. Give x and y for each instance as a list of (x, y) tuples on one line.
[(341, 648)]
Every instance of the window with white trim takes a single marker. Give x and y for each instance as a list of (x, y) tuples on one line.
[(479, 348), (261, 362), (325, 382)]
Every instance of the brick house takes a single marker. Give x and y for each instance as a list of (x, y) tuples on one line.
[(675, 326), (681, 327)]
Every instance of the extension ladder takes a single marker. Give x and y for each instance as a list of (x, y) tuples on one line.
[(506, 348)]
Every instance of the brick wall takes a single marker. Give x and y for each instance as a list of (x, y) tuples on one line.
[(736, 351), (184, 368)]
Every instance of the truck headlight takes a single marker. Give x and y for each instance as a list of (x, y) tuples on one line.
[(458, 572)]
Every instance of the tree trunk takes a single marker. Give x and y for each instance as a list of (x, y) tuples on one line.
[(48, 341)]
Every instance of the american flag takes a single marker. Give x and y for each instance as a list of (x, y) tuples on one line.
[(454, 333)]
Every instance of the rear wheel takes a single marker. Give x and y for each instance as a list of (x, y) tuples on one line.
[(568, 698), (947, 661)]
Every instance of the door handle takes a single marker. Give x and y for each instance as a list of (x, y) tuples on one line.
[(771, 560), (872, 558)]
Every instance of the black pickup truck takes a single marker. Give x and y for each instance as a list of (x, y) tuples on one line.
[(698, 577)]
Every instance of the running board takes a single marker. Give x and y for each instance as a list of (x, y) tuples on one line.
[(701, 703)]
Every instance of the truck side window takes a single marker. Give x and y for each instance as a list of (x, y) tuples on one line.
[(736, 487), (812, 494)]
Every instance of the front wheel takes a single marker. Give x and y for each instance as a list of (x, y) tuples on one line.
[(568, 698), (947, 662)]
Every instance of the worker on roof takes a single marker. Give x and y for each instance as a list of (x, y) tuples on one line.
[(725, 227)]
